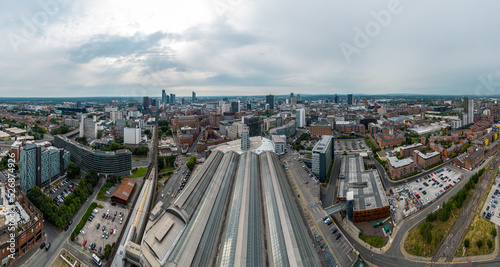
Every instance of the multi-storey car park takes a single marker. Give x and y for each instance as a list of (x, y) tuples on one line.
[(237, 210), (369, 199), (103, 162)]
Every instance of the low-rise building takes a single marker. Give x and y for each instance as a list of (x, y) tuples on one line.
[(279, 144), (400, 167), (320, 128), (407, 151), (426, 160), (29, 226), (471, 159)]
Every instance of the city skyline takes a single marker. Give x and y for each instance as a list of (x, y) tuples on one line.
[(74, 49)]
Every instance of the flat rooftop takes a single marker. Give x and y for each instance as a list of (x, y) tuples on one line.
[(323, 144), (365, 185), (258, 144), (398, 163)]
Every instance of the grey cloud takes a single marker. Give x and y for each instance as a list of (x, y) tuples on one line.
[(114, 46)]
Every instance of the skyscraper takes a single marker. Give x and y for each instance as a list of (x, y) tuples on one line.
[(172, 98), (468, 114), (145, 102), (235, 106), (351, 100), (336, 99), (193, 96), (163, 97), (291, 96), (301, 117), (270, 101)]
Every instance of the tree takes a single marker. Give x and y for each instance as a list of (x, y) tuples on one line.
[(494, 231), (141, 151), (73, 170), (309, 148), (479, 243), (161, 162), (489, 243), (99, 134), (466, 243), (54, 120), (191, 162)]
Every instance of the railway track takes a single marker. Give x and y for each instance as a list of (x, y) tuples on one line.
[(453, 240)]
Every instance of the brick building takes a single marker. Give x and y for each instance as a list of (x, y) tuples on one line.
[(426, 160), (400, 167), (407, 151), (320, 128), (28, 232), (181, 121)]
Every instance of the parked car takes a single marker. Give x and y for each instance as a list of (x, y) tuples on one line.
[(42, 245), (47, 247)]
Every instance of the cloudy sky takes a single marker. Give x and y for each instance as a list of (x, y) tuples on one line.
[(248, 47)]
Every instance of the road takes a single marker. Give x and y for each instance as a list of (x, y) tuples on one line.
[(59, 240), (329, 198), (314, 212), (394, 257), (453, 240)]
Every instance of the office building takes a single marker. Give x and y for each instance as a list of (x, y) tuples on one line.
[(172, 98), (253, 123), (270, 101), (293, 101), (145, 102), (235, 106), (39, 165), (116, 115), (104, 162), (163, 97), (336, 99), (88, 127), (322, 155), (320, 128), (279, 144), (245, 138), (351, 99), (131, 136), (301, 117), (237, 210), (193, 97), (71, 123), (291, 96), (287, 130)]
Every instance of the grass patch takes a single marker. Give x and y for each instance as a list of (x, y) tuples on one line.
[(166, 169), (100, 206), (102, 192), (83, 220), (138, 172), (375, 241), (427, 237), (480, 229), (60, 263)]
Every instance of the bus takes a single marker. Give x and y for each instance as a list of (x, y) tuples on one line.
[(96, 259)]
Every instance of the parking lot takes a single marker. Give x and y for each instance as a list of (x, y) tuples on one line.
[(430, 187), (62, 190), (103, 230), (491, 208), (347, 145)]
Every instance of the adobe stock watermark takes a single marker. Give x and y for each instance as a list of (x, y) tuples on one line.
[(39, 20), (222, 6), (363, 37), (488, 85), (10, 191)]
